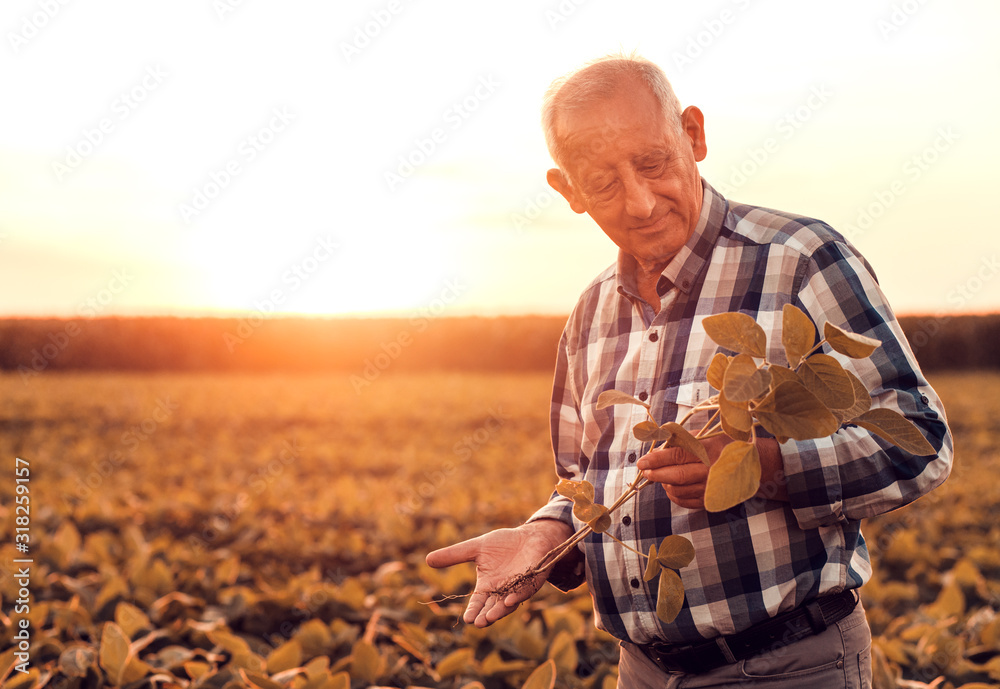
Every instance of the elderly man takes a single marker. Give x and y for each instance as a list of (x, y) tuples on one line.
[(771, 594)]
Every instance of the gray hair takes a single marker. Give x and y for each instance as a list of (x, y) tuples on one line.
[(599, 80)]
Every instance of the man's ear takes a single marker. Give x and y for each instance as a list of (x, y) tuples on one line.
[(558, 181), (693, 122)]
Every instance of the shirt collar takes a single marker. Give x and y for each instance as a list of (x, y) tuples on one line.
[(684, 267)]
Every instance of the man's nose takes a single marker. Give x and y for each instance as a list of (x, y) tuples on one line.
[(639, 198)]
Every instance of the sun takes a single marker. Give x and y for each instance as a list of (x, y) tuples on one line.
[(318, 274)]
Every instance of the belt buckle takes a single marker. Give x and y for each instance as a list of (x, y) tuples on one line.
[(690, 659)]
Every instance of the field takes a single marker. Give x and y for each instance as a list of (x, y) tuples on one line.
[(269, 530)]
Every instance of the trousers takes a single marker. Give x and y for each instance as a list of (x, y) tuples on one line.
[(837, 658)]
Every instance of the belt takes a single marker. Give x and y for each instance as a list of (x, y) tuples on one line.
[(784, 628)]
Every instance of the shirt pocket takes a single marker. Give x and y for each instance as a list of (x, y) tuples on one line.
[(685, 397)]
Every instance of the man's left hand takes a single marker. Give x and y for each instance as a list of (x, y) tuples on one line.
[(682, 475)]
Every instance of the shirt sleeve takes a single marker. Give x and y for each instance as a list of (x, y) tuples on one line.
[(854, 474), (567, 432)]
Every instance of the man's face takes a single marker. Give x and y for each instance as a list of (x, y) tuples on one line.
[(634, 173)]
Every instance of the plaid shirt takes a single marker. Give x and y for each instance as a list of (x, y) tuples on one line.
[(764, 556)]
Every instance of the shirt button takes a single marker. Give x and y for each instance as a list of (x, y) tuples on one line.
[(635, 583), (631, 457), (626, 520), (653, 337), (643, 396)]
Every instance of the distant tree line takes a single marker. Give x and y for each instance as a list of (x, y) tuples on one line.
[(365, 347)]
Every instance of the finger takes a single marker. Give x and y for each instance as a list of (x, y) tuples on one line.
[(466, 551), (678, 475), (693, 492), (472, 611), (493, 609), (693, 504), (671, 456)]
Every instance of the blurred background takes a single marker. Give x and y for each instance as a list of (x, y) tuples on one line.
[(369, 158)]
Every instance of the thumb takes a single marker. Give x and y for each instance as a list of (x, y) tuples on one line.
[(466, 551)]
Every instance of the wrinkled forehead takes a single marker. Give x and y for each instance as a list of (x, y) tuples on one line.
[(628, 124)]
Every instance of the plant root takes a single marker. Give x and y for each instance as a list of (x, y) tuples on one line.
[(516, 583)]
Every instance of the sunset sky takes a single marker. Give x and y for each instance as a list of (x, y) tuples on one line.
[(221, 157)]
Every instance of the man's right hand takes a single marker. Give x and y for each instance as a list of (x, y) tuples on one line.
[(499, 556)]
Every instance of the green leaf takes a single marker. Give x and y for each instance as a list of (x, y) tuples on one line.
[(735, 414), (652, 565), (682, 438), (897, 429), (737, 332), (670, 598), (744, 381), (862, 401), (735, 477), (544, 676), (798, 335), (611, 397), (650, 431), (716, 373), (849, 344), (826, 378), (791, 411), (675, 552)]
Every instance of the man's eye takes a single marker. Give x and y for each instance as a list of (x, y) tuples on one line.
[(605, 190)]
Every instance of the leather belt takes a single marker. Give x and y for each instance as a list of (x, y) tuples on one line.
[(784, 628)]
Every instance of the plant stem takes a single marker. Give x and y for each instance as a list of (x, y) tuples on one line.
[(637, 484), (806, 355)]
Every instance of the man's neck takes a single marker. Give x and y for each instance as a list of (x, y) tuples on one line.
[(647, 277)]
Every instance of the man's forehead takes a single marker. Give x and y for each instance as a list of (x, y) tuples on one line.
[(614, 140)]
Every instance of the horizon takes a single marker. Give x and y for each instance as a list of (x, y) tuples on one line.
[(220, 155)]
